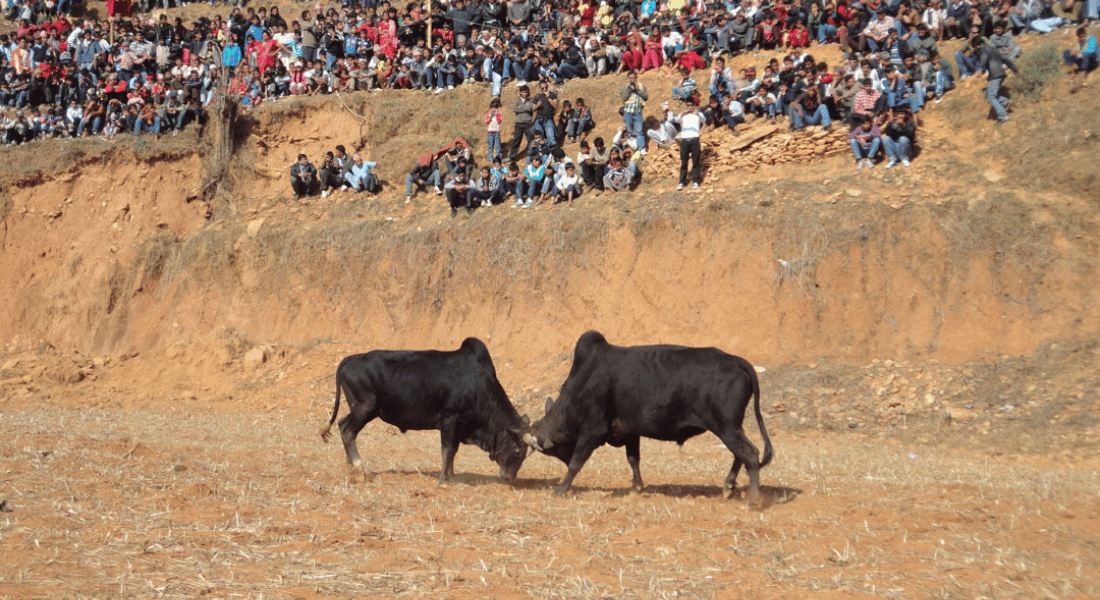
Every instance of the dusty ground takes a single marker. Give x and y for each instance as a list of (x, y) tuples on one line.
[(225, 490), (928, 338)]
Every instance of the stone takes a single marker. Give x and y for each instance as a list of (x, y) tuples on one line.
[(954, 414), (255, 357), (992, 177), (854, 193), (254, 226)]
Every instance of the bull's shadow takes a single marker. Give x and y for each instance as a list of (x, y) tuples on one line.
[(770, 495), (470, 479)]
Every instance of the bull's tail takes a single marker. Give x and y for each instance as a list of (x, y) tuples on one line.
[(760, 418), (326, 431)]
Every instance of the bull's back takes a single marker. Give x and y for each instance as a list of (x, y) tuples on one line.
[(408, 389), (674, 392)]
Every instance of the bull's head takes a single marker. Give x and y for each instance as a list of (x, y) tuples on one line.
[(514, 452)]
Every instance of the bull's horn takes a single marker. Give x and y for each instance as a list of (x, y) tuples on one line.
[(532, 441)]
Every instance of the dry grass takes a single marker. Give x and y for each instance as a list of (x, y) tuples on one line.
[(183, 503)]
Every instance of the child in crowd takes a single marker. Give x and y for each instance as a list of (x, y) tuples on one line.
[(686, 89), (569, 186), (532, 183), (493, 120), (580, 123), (865, 139)]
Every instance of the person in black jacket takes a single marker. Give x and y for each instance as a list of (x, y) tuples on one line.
[(424, 173), (898, 137), (991, 61)]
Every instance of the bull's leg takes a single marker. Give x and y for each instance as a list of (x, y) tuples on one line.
[(745, 453), (449, 444), (634, 457), (731, 479), (580, 456), (350, 426)]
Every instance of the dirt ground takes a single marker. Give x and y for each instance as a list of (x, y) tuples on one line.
[(927, 339), (225, 490)]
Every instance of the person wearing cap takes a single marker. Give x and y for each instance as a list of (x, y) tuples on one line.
[(691, 127)]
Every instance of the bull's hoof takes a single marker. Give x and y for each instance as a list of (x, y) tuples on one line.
[(729, 492), (559, 492), (754, 502)]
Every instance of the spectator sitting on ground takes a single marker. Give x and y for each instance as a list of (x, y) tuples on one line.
[(1085, 60), (864, 138), (458, 189), (360, 176), (303, 177), (617, 178), (569, 186), (898, 138), (423, 174), (333, 169), (485, 188)]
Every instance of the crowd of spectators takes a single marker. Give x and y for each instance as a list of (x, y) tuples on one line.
[(151, 74)]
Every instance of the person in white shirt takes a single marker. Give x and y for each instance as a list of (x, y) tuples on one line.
[(569, 186), (691, 125), (666, 131)]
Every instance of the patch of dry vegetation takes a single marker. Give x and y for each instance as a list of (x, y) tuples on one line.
[(181, 504)]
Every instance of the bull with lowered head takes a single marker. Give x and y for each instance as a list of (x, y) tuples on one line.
[(617, 395), (455, 392)]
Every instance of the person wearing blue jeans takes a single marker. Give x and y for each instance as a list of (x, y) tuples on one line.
[(991, 60), (424, 173), (807, 109), (532, 185), (634, 96), (898, 94), (897, 140), (1086, 59), (546, 106), (865, 139), (968, 63)]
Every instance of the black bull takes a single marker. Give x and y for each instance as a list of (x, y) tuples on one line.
[(456, 392), (617, 395)]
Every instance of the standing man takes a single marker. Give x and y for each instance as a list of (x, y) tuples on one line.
[(634, 96), (691, 125), (546, 106), (524, 109), (991, 60), (303, 175)]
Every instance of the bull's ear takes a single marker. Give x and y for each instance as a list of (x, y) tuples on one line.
[(549, 404), (526, 420)]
